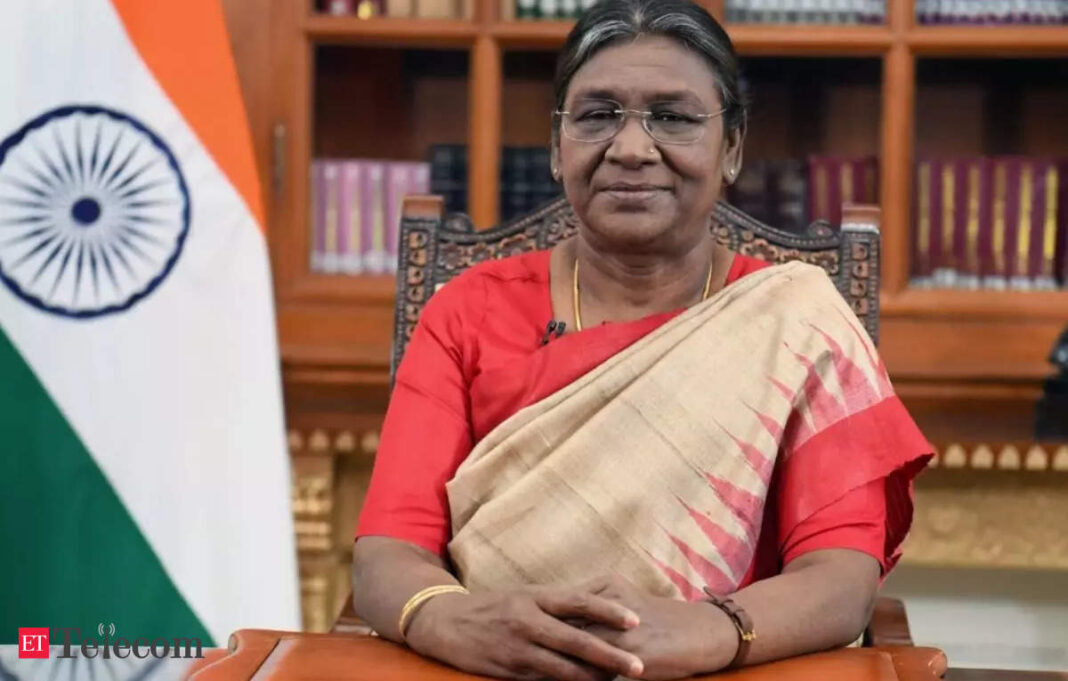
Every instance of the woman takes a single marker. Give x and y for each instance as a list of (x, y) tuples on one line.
[(705, 426)]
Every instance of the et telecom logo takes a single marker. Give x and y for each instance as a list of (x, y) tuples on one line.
[(33, 643)]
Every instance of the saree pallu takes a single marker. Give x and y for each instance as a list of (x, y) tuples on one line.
[(657, 464)]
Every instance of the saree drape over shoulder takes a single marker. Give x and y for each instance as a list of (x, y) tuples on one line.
[(656, 465), (660, 462)]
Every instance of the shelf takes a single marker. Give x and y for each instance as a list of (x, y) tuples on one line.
[(531, 34), (748, 39), (1015, 306), (391, 31), (989, 41), (807, 40), (376, 289)]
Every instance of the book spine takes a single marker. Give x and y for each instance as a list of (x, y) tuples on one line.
[(398, 180), (526, 9), (730, 11), (1047, 265), (548, 9), (421, 179), (847, 180), (749, 190), (945, 274), (317, 206), (1012, 166), (921, 252), (545, 187), (436, 9), (569, 9), (350, 241), (374, 218), (996, 275), (331, 191), (399, 8), (971, 269), (1021, 277), (340, 7), (1062, 222), (790, 189), (819, 188)]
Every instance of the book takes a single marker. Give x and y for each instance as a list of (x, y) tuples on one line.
[(317, 217), (1046, 272), (448, 175), (399, 183), (373, 218), (995, 274), (526, 9), (995, 223), (834, 180), (922, 251), (437, 9), (548, 9), (1061, 249), (338, 7), (399, 8), (351, 200), (331, 189)]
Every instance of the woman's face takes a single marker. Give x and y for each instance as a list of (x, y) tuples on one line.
[(633, 193)]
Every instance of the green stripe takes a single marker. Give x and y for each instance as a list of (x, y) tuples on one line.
[(71, 554)]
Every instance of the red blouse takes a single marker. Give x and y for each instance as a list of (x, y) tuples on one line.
[(473, 362)]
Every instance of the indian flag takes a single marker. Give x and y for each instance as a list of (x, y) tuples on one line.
[(144, 481)]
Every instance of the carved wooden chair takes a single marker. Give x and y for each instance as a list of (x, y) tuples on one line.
[(435, 247)]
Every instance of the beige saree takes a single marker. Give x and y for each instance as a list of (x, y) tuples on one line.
[(658, 463)]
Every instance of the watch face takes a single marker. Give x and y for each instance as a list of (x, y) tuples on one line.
[(79, 668)]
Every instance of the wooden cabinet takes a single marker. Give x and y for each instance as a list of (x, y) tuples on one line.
[(968, 362)]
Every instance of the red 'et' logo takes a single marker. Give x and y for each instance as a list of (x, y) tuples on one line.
[(33, 642)]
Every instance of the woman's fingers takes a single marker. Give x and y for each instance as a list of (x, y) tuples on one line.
[(552, 634), (565, 603), (538, 663)]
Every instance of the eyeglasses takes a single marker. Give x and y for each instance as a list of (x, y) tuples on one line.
[(595, 120)]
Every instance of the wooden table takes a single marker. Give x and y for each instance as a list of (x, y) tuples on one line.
[(262, 655)]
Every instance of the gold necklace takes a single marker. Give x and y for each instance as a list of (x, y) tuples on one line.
[(575, 292)]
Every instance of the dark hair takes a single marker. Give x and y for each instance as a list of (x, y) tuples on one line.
[(612, 21)]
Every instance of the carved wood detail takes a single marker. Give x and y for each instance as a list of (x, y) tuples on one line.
[(320, 480), (989, 519), (434, 250)]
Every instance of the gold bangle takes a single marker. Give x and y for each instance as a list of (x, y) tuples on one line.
[(420, 598)]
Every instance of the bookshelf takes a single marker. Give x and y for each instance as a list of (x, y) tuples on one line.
[(486, 103), (964, 361)]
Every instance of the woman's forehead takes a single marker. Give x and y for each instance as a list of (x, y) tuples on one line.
[(648, 69)]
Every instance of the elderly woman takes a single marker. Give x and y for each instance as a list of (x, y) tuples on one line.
[(704, 466)]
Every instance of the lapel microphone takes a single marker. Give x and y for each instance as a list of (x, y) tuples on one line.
[(554, 329)]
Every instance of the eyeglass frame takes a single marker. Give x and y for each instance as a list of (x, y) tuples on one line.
[(644, 115)]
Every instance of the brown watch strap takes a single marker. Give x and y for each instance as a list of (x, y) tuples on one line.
[(742, 622)]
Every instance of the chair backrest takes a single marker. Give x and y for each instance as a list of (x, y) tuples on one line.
[(435, 247)]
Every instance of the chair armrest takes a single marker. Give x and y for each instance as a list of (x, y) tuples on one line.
[(348, 622), (889, 625)]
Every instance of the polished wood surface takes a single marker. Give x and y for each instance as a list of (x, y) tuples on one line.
[(1003, 675), (285, 656)]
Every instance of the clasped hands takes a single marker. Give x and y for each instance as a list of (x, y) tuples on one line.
[(589, 632)]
